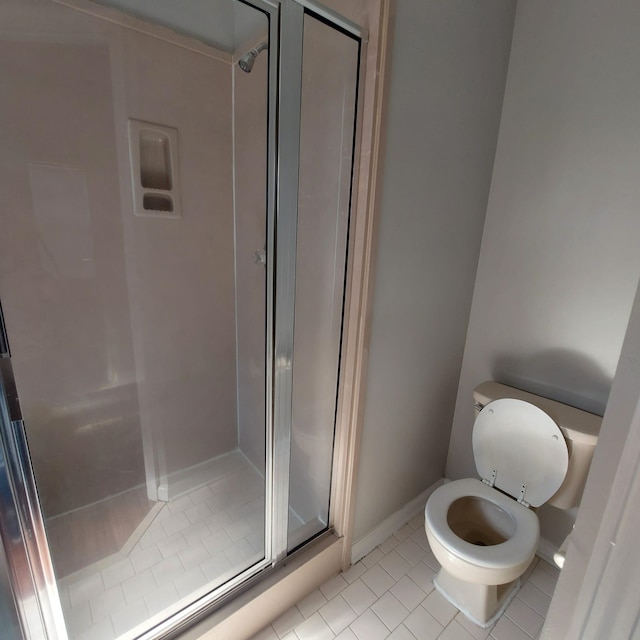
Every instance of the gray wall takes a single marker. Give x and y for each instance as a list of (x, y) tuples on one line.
[(447, 81), (559, 261)]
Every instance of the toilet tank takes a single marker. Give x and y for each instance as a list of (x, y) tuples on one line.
[(580, 430)]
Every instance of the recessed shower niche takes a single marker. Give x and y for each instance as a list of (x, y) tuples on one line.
[(153, 151)]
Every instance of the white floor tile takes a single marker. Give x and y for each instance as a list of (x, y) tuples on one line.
[(372, 558), (423, 625), (404, 533), (369, 627), (422, 575), (331, 588), (402, 633), (106, 602), (86, 588), (103, 630), (172, 545), (216, 566), (347, 634), (314, 628), (135, 587), (161, 598), (167, 570), (196, 532), (524, 617), (395, 565), (442, 610), (152, 535), (200, 495), (390, 611), (176, 522), (454, 631), (410, 551), (117, 572), (198, 512), (194, 555), (79, 618), (354, 572), (544, 580), (389, 544), (129, 616), (507, 630), (378, 580), (409, 594), (419, 536), (536, 599), (309, 605), (338, 614), (287, 621), (431, 560), (217, 542), (477, 633), (189, 581), (145, 558), (358, 596)]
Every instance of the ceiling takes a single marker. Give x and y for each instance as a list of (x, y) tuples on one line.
[(228, 25)]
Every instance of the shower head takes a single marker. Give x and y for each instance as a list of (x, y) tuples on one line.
[(247, 60)]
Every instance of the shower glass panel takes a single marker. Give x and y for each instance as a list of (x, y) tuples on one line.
[(133, 280), (329, 85)]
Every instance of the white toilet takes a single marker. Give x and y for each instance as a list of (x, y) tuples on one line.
[(529, 451)]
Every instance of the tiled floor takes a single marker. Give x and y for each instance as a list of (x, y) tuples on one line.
[(389, 594), (193, 544)]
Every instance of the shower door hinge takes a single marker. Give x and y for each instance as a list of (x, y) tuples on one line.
[(4, 342)]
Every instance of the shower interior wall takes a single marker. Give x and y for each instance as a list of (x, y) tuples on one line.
[(152, 300)]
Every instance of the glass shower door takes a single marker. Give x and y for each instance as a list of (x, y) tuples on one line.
[(330, 59), (133, 280)]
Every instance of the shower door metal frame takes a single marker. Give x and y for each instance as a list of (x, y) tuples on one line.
[(28, 556)]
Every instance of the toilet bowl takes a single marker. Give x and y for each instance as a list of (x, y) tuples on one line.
[(484, 532), (484, 541)]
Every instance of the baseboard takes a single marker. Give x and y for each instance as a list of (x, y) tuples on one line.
[(546, 550), (391, 524)]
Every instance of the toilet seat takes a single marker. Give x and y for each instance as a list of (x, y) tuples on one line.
[(519, 449), (515, 551)]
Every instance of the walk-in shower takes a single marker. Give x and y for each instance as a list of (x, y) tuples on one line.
[(167, 429)]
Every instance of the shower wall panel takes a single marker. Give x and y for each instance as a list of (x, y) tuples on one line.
[(250, 118), (181, 273), (63, 281), (122, 328)]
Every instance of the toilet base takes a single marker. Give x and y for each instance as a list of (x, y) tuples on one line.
[(483, 604)]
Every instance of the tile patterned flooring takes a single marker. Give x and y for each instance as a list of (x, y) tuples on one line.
[(389, 595), (193, 544)]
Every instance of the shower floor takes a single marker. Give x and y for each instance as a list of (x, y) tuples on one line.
[(183, 549)]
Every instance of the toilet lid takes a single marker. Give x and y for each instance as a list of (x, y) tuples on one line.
[(524, 446)]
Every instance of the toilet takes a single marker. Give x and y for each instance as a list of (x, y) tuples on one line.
[(529, 451)]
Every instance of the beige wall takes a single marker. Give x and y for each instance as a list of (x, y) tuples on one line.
[(559, 261), (449, 63)]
